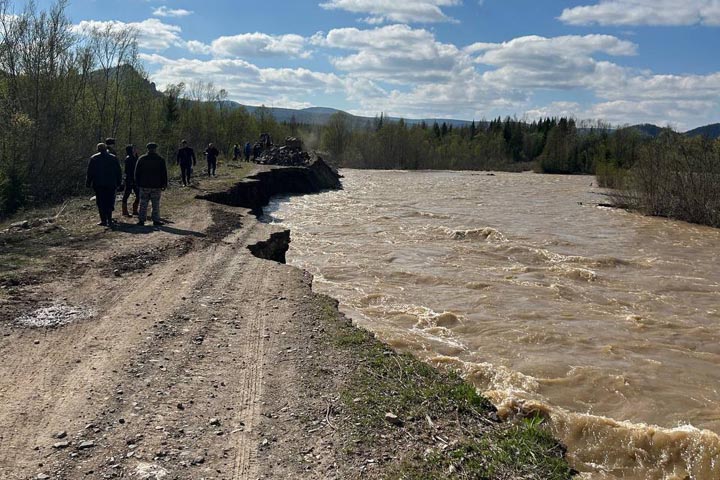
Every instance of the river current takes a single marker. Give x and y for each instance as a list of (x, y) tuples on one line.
[(606, 321)]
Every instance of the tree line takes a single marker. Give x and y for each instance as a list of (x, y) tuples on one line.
[(549, 145), (63, 91)]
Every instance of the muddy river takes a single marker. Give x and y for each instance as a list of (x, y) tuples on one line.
[(607, 321)]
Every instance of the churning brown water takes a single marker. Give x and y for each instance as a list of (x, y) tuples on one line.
[(606, 320)]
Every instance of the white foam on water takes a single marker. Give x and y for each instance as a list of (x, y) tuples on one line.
[(602, 448)]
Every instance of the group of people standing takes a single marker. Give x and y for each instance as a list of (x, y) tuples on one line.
[(145, 176)]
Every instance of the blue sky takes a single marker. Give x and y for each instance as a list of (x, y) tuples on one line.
[(622, 61)]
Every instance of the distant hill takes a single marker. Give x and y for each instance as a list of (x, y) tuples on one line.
[(647, 129), (710, 131), (321, 116)]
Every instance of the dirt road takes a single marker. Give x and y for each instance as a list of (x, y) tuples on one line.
[(173, 370)]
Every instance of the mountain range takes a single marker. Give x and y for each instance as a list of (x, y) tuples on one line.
[(321, 115)]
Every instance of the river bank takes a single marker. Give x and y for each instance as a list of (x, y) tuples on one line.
[(182, 354), (605, 320)]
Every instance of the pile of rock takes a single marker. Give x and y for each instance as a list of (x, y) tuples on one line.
[(291, 154)]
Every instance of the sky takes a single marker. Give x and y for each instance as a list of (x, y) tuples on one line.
[(620, 61)]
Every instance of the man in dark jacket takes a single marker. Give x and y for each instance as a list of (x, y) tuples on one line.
[(211, 153), (151, 178), (131, 158), (104, 176), (186, 159), (248, 151)]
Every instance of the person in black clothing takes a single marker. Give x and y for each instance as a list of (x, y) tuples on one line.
[(151, 177), (131, 159), (186, 159), (236, 152), (211, 153), (248, 151), (104, 176)]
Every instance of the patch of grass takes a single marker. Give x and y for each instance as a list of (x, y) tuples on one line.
[(522, 451), (446, 430)]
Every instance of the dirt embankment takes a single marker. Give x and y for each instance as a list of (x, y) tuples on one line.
[(192, 358), (255, 191)]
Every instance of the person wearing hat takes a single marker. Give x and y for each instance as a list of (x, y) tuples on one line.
[(186, 159), (151, 178), (104, 176), (131, 159), (110, 142)]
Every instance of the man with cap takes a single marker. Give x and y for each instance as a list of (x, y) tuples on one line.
[(104, 175), (151, 178), (186, 159), (110, 142)]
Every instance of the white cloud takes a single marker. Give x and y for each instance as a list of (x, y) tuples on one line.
[(198, 48), (681, 114), (260, 45), (395, 53), (406, 71), (645, 12), (171, 12), (403, 11), (153, 34), (551, 63), (244, 81)]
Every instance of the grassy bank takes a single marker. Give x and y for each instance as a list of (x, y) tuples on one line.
[(422, 423)]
